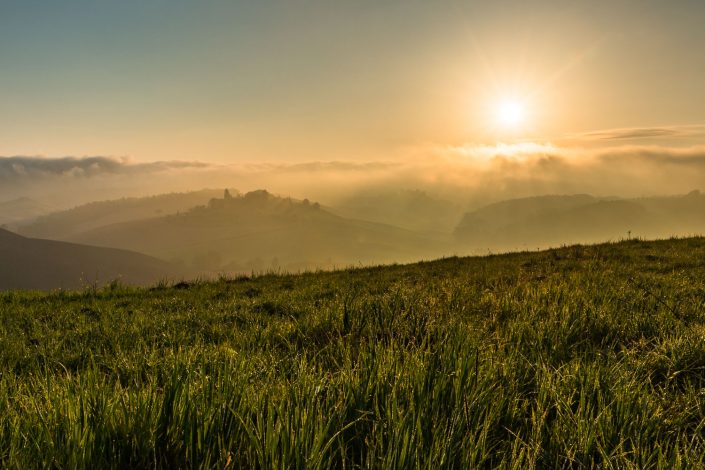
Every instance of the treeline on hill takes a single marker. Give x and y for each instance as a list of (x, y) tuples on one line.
[(579, 357), (259, 231)]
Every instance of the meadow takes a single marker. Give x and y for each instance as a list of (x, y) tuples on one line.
[(577, 357)]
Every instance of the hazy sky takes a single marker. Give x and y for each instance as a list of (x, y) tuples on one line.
[(233, 81)]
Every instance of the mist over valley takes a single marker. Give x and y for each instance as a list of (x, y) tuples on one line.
[(209, 233)]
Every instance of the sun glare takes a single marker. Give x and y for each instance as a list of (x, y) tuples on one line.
[(510, 113)]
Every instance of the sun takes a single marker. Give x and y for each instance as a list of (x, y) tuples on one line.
[(510, 114)]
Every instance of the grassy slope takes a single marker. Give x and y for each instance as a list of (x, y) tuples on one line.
[(579, 356)]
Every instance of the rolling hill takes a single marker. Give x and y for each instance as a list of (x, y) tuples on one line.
[(409, 209), (62, 225), (259, 231), (541, 222), (29, 263), (21, 210)]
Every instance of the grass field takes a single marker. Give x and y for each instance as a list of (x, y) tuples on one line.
[(577, 357)]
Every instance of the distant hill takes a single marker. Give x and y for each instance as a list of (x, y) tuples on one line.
[(63, 224), (29, 263), (259, 231), (21, 210), (410, 209), (540, 222)]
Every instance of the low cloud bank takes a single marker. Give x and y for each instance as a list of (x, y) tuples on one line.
[(641, 133), (17, 168), (469, 174)]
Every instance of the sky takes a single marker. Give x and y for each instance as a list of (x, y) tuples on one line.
[(233, 81)]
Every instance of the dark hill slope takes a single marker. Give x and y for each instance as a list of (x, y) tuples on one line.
[(28, 263)]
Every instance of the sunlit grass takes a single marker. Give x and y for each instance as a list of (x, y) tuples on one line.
[(577, 357)]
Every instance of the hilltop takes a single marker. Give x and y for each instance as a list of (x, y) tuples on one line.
[(260, 231), (62, 225), (580, 357)]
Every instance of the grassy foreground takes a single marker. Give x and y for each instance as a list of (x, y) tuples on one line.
[(578, 357)]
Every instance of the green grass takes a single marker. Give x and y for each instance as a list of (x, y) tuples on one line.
[(578, 357)]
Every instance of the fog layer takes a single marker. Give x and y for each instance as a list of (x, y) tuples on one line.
[(469, 175)]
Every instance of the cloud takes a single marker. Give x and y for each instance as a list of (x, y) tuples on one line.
[(316, 167), (526, 170), (470, 174), (478, 174), (17, 168), (697, 130)]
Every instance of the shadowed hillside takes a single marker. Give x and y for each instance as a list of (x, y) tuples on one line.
[(29, 263), (260, 231)]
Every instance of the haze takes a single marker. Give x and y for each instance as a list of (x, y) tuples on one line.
[(422, 117)]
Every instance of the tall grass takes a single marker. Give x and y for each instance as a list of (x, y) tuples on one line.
[(579, 357)]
